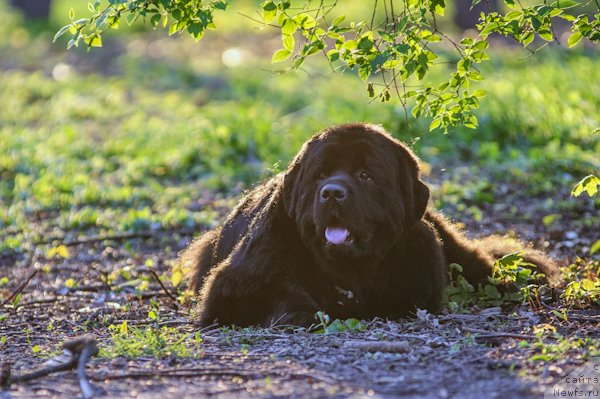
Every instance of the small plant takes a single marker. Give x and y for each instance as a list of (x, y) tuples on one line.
[(550, 345), (152, 340), (513, 281), (583, 287), (325, 326), (588, 184)]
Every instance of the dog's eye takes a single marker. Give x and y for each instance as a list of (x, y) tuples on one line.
[(365, 176)]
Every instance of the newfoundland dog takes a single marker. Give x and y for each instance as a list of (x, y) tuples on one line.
[(344, 229)]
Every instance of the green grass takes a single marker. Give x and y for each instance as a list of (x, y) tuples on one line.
[(135, 150)]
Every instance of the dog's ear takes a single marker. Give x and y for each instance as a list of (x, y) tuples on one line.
[(413, 189), (420, 200), (290, 190)]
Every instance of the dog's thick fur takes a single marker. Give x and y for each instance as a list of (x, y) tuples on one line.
[(345, 229)]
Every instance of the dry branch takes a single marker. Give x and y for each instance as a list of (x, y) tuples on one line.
[(76, 353), (19, 288)]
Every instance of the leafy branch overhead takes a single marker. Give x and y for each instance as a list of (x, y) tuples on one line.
[(392, 50)]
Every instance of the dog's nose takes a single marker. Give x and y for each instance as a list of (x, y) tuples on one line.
[(333, 191)]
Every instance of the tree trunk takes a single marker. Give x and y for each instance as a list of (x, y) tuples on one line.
[(33, 9), (466, 17)]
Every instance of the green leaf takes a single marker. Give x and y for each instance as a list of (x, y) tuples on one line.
[(433, 38), (281, 55), (527, 38), (288, 42), (475, 76), (364, 71), (512, 15), (365, 43), (574, 39), (467, 41), (479, 93), (492, 292), (463, 65), (350, 44), (220, 5), (268, 16), (548, 220), (61, 251), (480, 45), (546, 35), (288, 27), (595, 247), (338, 20), (155, 19), (305, 21), (61, 32), (589, 184), (16, 301), (390, 64), (588, 285), (435, 124), (269, 6), (176, 277), (333, 55), (565, 4)]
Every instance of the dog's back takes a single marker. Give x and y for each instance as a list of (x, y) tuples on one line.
[(215, 245)]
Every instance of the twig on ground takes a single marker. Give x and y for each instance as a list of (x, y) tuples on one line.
[(20, 288), (157, 278), (38, 301), (90, 348), (76, 351)]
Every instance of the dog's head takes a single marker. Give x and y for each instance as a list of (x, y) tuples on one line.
[(352, 191)]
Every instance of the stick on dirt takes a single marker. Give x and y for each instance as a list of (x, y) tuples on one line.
[(19, 288), (77, 351)]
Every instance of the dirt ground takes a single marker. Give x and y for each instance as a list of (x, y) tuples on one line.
[(486, 353)]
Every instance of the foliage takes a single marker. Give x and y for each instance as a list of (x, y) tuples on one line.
[(95, 155), (583, 288), (550, 345), (325, 326), (153, 340), (513, 280), (389, 52), (588, 184)]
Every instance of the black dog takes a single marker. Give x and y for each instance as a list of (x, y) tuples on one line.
[(345, 229)]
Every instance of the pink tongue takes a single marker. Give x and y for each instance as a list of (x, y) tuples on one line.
[(336, 235)]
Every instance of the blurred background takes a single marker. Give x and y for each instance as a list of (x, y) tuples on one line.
[(152, 132)]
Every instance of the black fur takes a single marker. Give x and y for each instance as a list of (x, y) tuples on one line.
[(270, 262)]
